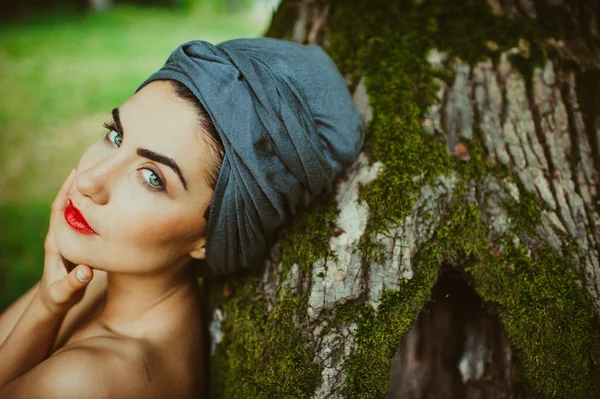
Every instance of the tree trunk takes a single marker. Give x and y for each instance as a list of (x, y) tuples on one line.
[(479, 173), (101, 5)]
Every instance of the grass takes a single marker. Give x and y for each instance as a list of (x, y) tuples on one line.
[(60, 75)]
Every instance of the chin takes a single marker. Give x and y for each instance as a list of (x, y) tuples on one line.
[(72, 248)]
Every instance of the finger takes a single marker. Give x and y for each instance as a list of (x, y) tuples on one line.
[(64, 290)]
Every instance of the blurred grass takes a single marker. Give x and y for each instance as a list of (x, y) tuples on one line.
[(21, 253), (60, 75)]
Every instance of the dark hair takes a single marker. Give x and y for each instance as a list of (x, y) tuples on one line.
[(211, 136)]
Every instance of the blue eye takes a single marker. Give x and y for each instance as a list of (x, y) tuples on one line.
[(113, 136), (147, 175), (151, 178)]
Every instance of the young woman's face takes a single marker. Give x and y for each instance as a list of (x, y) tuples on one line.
[(142, 188)]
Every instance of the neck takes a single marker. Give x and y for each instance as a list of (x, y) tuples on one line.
[(138, 305)]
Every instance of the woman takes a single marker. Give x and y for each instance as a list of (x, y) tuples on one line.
[(197, 171)]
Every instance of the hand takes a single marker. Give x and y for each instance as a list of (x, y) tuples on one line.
[(60, 287)]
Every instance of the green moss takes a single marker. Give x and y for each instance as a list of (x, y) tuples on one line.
[(395, 136), (263, 355), (379, 333), (464, 27), (546, 313), (525, 214), (306, 238), (549, 318), (388, 45)]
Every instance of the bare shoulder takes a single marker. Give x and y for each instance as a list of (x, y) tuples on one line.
[(101, 367)]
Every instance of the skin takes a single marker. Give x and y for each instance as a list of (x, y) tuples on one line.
[(140, 293), (145, 237)]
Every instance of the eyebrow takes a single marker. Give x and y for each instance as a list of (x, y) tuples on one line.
[(146, 153)]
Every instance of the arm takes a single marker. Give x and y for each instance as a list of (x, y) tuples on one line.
[(31, 339), (29, 342), (10, 316)]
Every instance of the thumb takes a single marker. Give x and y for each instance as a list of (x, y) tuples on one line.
[(83, 275), (75, 281)]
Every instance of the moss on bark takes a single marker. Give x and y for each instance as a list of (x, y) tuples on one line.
[(263, 355), (532, 288)]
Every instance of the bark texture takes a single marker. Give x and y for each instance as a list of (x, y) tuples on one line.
[(481, 161)]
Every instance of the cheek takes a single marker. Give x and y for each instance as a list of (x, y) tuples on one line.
[(156, 225), (147, 239)]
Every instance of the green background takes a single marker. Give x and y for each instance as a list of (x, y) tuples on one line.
[(61, 72)]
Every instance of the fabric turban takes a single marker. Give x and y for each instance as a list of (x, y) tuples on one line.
[(288, 126)]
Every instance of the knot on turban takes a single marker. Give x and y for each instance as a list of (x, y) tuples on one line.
[(288, 126)]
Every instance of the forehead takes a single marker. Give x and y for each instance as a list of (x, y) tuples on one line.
[(156, 119)]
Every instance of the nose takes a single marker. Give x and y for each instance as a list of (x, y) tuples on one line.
[(94, 182)]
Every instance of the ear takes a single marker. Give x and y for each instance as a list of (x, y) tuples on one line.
[(199, 250)]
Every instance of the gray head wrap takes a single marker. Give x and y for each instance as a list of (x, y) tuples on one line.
[(288, 125)]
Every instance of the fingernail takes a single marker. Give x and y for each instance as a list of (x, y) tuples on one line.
[(82, 276)]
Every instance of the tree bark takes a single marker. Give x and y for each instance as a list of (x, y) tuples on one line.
[(101, 5), (480, 172)]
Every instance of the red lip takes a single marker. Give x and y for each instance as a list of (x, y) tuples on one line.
[(76, 220)]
